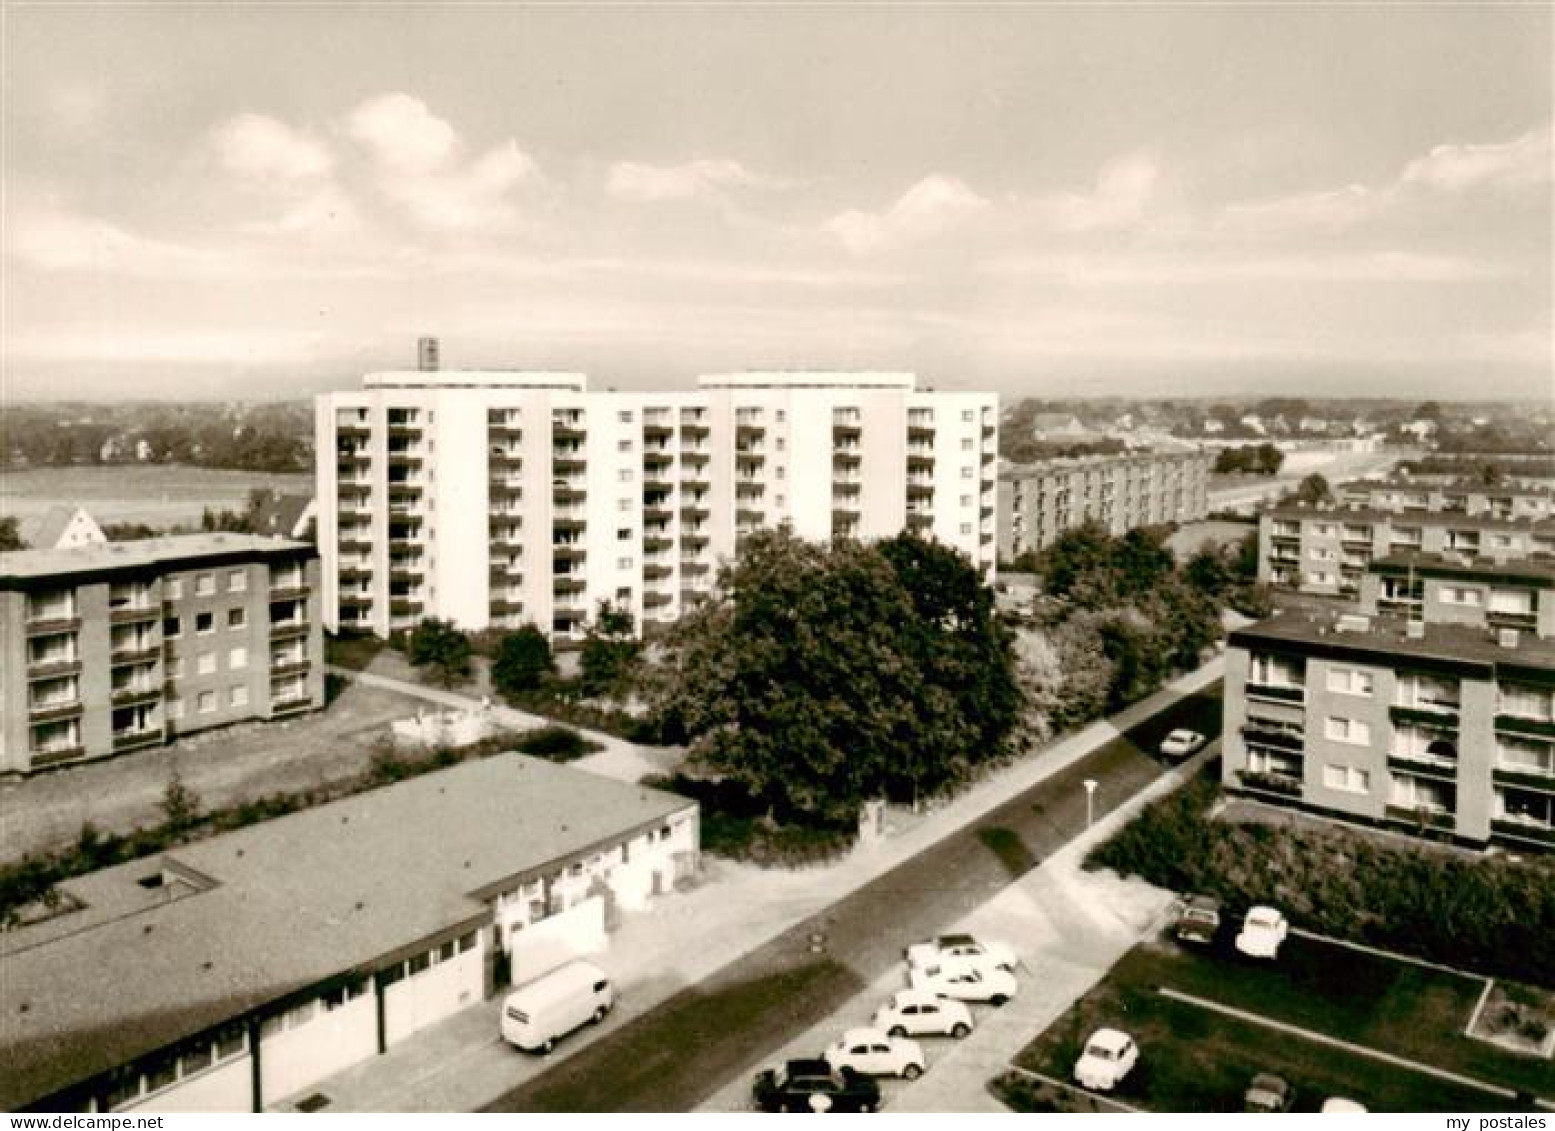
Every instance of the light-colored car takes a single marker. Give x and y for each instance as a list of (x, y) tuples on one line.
[(1262, 933), (961, 950), (964, 983), (914, 1013), (1109, 1056), (1268, 1093), (870, 1052), (1181, 743), (1338, 1105)]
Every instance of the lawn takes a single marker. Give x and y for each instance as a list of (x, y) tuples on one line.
[(1194, 1059)]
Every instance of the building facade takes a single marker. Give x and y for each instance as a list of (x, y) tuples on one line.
[(1038, 502), (1328, 549), (114, 647), (1432, 709), (495, 499), (238, 972), (1462, 496)]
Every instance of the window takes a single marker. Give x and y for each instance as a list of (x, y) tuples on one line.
[(624, 416), (1321, 555), (781, 443), (205, 585), (446, 951), (624, 475), (1463, 595), (171, 628), (1352, 731), (624, 534), (240, 696), (966, 500), (175, 588), (623, 445), (1347, 779), (1350, 681), (204, 623), (237, 659), (966, 473), (624, 505), (237, 618), (237, 581), (623, 563), (966, 444), (966, 416), (206, 664), (1417, 793), (207, 702), (966, 528)]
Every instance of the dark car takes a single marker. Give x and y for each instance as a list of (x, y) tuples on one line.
[(814, 1085), (1199, 921)]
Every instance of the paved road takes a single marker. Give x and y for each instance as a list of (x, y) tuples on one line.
[(676, 1056)]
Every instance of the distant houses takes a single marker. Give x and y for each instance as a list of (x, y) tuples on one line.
[(61, 528)]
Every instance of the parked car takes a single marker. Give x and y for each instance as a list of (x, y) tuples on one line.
[(961, 950), (814, 1085), (914, 1013), (1181, 743), (1263, 931), (1268, 1093), (964, 983), (1338, 1105), (1109, 1056), (1199, 921), (869, 1052)]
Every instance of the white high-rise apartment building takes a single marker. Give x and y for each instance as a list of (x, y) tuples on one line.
[(495, 499)]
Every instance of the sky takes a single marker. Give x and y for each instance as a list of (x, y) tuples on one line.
[(263, 201)]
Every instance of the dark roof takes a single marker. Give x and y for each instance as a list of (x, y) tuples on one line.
[(1454, 519), (174, 551), (1538, 571), (282, 515), (1385, 642), (286, 905)]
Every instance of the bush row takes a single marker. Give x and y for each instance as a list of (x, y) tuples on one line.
[(1492, 915)]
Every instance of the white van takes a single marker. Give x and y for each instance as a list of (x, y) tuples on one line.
[(535, 1015)]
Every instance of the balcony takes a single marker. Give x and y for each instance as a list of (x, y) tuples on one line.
[(567, 433), (503, 431), (501, 606), (1424, 765), (352, 429), (284, 628), (657, 481), (133, 739), (749, 516), (920, 488), (294, 702), (657, 512), (569, 463), (1436, 717), (569, 552), (54, 711), (355, 600), (655, 600), (562, 494), (694, 457), (1269, 733), (656, 543), (564, 585), (746, 432), (135, 652), (1420, 818), (844, 457), (693, 512), (128, 696), (288, 665), (406, 456), (1263, 781), (355, 543), (54, 755), (288, 589), (921, 432), (398, 606), (49, 623), (693, 540), (1525, 622), (356, 573), (1524, 777), (568, 522), (52, 666), (846, 431), (657, 430), (693, 568), (915, 460), (918, 521), (131, 614), (692, 429), (1519, 724), (1528, 832), (1277, 692)]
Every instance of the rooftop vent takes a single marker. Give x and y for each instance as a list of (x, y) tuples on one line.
[(1352, 622), (426, 355), (1506, 637)]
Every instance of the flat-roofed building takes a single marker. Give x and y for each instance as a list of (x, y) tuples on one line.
[(1039, 502), (495, 499), (1461, 496), (1327, 549), (232, 973), (112, 647), (1430, 708)]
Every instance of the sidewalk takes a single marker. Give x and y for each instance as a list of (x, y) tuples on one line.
[(461, 1064)]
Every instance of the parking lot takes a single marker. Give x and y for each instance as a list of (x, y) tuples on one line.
[(1333, 1021)]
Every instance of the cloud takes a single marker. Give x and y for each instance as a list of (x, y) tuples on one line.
[(54, 240), (417, 154), (1453, 168), (1124, 191), (1190, 268), (703, 178), (403, 133), (932, 206), (254, 145)]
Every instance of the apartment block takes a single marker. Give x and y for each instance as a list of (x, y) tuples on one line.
[(236, 973), (1038, 502), (1430, 709), (1464, 497), (495, 499), (1328, 549), (108, 648)]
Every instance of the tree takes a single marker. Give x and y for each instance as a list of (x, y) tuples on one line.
[(438, 645), (10, 538), (1141, 562), (610, 651), (522, 662), (1079, 566), (180, 805), (1314, 489)]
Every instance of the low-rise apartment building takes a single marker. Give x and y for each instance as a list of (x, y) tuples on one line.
[(1432, 708), (1038, 502), (495, 499), (233, 973), (108, 648), (1328, 549), (1460, 496)]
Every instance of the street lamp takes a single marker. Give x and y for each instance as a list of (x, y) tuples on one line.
[(1090, 801)]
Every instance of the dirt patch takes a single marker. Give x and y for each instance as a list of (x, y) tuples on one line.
[(1517, 1017)]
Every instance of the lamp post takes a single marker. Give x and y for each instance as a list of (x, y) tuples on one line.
[(1090, 801)]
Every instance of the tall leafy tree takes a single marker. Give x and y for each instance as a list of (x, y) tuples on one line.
[(610, 651), (522, 661), (441, 648)]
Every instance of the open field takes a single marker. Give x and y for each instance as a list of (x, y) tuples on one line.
[(1196, 1059), (160, 495)]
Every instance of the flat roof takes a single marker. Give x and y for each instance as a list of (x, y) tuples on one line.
[(1037, 468), (287, 904), (166, 552), (1385, 641), (1538, 570), (1342, 513), (1459, 485), (476, 379), (808, 379)]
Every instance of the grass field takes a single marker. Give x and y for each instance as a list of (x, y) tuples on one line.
[(1194, 1059)]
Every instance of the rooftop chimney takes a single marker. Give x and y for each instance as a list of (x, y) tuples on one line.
[(426, 355)]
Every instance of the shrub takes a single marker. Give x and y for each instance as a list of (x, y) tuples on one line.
[(558, 743)]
